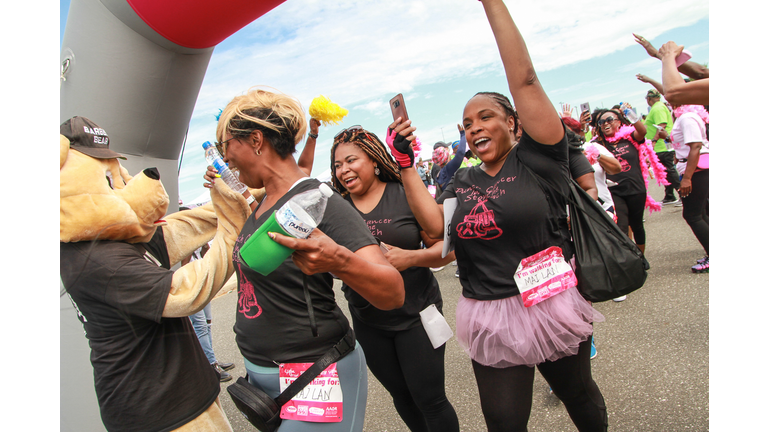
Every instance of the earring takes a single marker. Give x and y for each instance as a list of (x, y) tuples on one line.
[(376, 170), (258, 152)]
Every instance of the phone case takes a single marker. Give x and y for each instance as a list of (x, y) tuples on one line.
[(397, 104)]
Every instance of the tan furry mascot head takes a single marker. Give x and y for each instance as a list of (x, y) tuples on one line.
[(99, 199)]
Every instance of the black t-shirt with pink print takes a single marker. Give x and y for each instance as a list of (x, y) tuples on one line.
[(272, 322), (630, 180), (392, 222), (503, 219)]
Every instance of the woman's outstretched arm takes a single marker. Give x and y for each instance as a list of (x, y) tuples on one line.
[(533, 106)]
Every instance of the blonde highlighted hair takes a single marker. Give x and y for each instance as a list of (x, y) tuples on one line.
[(278, 116)]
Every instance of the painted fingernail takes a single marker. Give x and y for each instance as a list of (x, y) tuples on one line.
[(271, 235)]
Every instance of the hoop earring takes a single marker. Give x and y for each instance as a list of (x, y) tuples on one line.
[(376, 170), (258, 152)]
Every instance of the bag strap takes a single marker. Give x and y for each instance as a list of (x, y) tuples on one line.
[(573, 185), (338, 351), (554, 222), (311, 311)]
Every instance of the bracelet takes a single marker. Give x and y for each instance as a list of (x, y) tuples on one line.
[(311, 135), (250, 199)]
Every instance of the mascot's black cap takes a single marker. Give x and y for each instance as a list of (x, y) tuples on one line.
[(87, 137)]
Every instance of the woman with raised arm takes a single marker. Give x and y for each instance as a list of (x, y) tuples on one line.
[(505, 220), (627, 143), (260, 130), (398, 350)]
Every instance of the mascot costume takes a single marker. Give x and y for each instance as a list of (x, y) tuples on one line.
[(135, 67), (117, 250)]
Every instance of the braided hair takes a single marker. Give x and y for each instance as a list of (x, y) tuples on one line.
[(599, 112), (505, 104), (389, 171)]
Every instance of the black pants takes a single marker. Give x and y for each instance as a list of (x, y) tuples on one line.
[(696, 208), (412, 372), (506, 394), (629, 211), (668, 160)]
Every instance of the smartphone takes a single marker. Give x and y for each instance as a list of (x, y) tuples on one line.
[(397, 104), (585, 107)]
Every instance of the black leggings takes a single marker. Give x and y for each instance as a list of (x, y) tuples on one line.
[(696, 208), (412, 372), (506, 394), (629, 210)]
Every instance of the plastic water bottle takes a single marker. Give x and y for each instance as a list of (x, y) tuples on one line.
[(303, 213), (298, 217), (214, 158), (629, 113)]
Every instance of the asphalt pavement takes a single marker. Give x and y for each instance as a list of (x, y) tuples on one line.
[(652, 362)]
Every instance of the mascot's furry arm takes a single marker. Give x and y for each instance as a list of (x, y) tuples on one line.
[(100, 201), (197, 282)]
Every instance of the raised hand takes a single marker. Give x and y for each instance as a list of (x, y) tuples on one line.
[(670, 49), (567, 111), (653, 52), (399, 138)]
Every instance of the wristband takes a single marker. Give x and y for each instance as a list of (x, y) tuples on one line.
[(250, 199), (313, 135)]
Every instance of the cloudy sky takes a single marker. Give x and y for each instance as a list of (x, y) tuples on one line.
[(438, 53)]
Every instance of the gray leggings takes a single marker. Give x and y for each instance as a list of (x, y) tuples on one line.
[(353, 375)]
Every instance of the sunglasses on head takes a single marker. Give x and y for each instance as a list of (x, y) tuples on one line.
[(352, 131), (606, 120)]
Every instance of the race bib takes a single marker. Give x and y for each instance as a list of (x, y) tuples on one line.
[(320, 401), (543, 275)]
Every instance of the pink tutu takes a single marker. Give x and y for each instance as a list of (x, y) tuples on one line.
[(503, 333)]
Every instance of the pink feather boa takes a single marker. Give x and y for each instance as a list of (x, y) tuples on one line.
[(416, 144), (591, 152), (646, 153), (698, 109)]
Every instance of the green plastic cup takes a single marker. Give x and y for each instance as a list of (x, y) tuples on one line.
[(263, 254)]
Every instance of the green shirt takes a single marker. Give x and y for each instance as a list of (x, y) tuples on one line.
[(659, 114)]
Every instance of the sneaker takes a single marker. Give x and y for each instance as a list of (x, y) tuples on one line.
[(457, 272), (436, 269), (223, 375), (620, 299), (680, 204), (226, 366), (668, 201), (454, 263), (702, 260), (593, 353), (701, 267)]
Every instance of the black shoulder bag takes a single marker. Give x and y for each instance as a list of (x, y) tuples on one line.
[(608, 263), (264, 412)]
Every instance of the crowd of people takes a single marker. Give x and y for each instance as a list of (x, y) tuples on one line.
[(383, 231)]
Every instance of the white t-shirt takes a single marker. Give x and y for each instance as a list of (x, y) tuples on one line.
[(689, 128), (600, 180)]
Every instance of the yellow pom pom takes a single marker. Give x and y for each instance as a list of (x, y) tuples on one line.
[(326, 111)]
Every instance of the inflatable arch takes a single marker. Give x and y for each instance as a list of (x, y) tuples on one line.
[(135, 67)]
